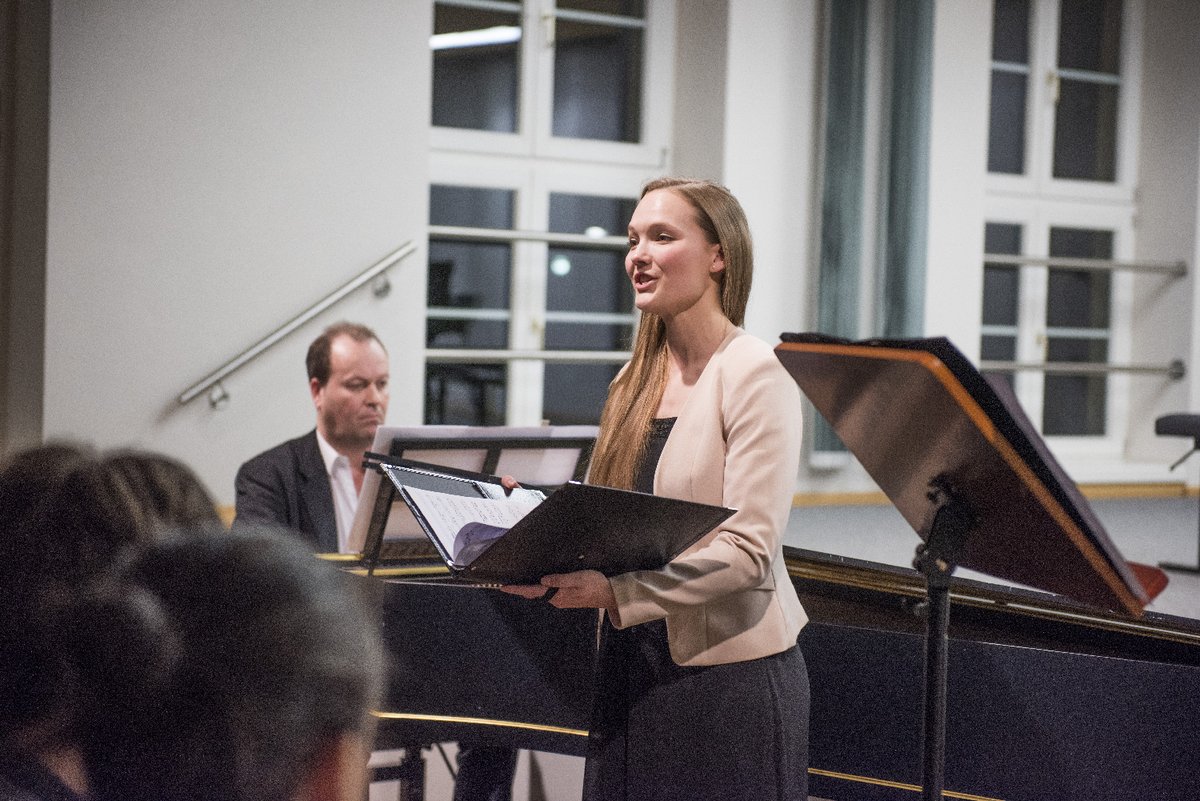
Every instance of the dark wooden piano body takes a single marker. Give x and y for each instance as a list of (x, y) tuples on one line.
[(1048, 700)]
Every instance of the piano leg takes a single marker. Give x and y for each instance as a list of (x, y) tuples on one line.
[(409, 774)]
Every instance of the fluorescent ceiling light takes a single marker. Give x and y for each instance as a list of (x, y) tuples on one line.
[(499, 34)]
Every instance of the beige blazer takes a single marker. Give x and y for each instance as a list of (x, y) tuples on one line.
[(736, 443)]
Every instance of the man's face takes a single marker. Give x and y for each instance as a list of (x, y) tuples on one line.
[(353, 402)]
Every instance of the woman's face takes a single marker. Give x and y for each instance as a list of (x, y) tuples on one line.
[(670, 261)]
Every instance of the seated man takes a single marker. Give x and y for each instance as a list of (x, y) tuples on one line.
[(310, 484)]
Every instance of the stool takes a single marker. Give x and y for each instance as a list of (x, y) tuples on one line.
[(1180, 425)]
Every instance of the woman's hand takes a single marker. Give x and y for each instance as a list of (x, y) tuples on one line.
[(583, 589)]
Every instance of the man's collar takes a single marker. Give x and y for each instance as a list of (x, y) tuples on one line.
[(329, 454)]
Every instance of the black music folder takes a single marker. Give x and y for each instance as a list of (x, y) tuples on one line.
[(486, 535)]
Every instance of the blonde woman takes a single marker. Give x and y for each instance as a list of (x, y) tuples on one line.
[(702, 692)]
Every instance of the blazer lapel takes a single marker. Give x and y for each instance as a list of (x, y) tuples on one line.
[(317, 496)]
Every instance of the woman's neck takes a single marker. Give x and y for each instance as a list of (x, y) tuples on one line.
[(689, 349), (692, 342)]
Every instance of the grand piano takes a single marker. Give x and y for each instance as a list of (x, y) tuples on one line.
[(1068, 692), (1047, 698)]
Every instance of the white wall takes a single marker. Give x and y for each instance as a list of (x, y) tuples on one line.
[(770, 116), (216, 168), (958, 135), (1168, 171)]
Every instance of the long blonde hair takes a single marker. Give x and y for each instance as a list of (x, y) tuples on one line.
[(634, 396)]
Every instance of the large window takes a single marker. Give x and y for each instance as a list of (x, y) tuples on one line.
[(1060, 107), (542, 136), (1061, 208), (1048, 301)]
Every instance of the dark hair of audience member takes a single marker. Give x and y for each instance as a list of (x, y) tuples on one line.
[(67, 512), (222, 668), (29, 482)]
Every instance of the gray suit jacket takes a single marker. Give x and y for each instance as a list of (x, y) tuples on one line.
[(288, 486)]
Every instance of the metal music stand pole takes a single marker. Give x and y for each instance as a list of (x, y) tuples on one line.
[(935, 557)]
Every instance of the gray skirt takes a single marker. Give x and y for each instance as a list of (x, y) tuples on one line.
[(662, 732)]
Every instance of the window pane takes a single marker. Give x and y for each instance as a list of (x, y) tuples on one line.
[(1010, 31), (1089, 35), (1078, 298), (1001, 282), (999, 349), (624, 8), (1002, 238), (1075, 404), (475, 80), (584, 279), (590, 282), (597, 82), (1006, 123), (473, 277), (1085, 131), (1000, 295), (465, 394), (1085, 125), (1077, 318), (468, 275), (575, 393), (471, 207)]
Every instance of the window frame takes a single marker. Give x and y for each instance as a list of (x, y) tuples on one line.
[(533, 137), (1040, 113)]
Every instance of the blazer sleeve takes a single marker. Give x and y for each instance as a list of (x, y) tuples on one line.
[(750, 466), (261, 494)]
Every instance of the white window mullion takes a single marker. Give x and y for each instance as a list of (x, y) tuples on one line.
[(528, 329)]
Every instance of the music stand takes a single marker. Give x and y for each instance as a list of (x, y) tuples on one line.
[(544, 456), (968, 472), (524, 453)]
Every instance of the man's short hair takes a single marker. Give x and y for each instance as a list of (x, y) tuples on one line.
[(318, 358)]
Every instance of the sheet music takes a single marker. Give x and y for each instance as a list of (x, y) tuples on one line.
[(551, 466), (448, 514)]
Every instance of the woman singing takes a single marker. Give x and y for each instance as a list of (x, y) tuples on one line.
[(702, 691)]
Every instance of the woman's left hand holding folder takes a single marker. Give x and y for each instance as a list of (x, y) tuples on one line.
[(583, 589)]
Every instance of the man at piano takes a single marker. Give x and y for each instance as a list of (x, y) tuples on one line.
[(310, 485)]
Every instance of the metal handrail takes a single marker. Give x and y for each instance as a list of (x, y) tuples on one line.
[(1173, 268), (479, 356), (214, 378), (1174, 370), (462, 233)]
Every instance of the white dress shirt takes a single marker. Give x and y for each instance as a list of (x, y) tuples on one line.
[(345, 497)]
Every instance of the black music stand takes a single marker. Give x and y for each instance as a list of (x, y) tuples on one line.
[(967, 471), (1181, 425), (492, 446)]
